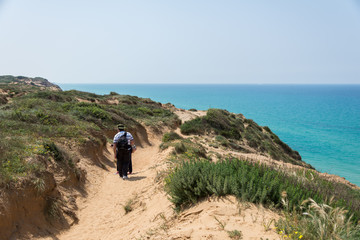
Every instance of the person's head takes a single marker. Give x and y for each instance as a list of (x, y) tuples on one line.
[(121, 127)]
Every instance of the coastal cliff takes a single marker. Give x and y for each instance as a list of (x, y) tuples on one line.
[(53, 143)]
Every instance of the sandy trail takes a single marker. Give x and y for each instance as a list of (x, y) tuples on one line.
[(101, 215)]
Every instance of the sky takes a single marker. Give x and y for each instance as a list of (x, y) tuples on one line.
[(182, 41)]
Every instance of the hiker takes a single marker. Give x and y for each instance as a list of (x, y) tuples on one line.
[(123, 146)]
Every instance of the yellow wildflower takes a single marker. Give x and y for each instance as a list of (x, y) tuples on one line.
[(300, 237)]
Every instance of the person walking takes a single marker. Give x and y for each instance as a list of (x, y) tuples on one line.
[(123, 145)]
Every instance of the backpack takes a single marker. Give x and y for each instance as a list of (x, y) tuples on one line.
[(123, 144)]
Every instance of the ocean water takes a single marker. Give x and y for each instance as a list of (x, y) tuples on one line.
[(321, 122)]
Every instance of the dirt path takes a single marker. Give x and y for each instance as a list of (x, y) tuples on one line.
[(102, 215)]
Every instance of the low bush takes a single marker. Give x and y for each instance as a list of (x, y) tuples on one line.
[(225, 123), (149, 113), (184, 148), (195, 126), (180, 148), (170, 136), (222, 140), (255, 183), (84, 110), (146, 111), (219, 121)]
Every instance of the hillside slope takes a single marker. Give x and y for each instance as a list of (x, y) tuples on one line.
[(57, 172)]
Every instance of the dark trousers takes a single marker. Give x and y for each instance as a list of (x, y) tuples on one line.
[(130, 164), (123, 160)]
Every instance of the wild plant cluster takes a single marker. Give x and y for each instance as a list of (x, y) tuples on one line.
[(194, 180), (317, 221)]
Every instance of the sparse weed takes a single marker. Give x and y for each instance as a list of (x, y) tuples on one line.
[(235, 234), (39, 184), (221, 224), (160, 175), (267, 224), (165, 225), (128, 207)]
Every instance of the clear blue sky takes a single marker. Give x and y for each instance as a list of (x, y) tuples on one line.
[(182, 41)]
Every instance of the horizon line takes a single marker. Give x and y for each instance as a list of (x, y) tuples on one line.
[(212, 83)]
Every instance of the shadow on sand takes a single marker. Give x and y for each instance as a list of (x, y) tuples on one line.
[(136, 178)]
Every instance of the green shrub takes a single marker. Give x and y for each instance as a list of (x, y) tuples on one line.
[(84, 110), (255, 183), (46, 118), (146, 110), (253, 124), (170, 137), (267, 129), (195, 126), (224, 123), (180, 148), (150, 114), (186, 149), (216, 120), (163, 146), (222, 140)]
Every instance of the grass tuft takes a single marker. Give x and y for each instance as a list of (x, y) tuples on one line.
[(318, 221), (128, 207)]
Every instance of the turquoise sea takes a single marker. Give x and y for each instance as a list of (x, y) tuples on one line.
[(322, 122)]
